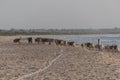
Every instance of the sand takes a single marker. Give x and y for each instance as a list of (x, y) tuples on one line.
[(50, 62)]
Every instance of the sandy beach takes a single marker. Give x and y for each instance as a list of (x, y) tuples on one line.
[(50, 62)]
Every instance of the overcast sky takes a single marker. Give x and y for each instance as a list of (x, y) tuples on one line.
[(37, 14)]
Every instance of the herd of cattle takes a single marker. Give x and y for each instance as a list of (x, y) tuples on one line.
[(46, 40), (58, 42)]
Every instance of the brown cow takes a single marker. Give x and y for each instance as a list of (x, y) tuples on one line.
[(114, 47), (88, 45), (71, 44), (38, 40), (65, 43), (48, 40), (58, 42), (111, 47), (61, 42), (17, 40)]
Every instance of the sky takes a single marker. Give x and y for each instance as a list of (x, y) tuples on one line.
[(61, 14)]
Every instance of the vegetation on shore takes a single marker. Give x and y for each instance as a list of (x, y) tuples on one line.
[(58, 31)]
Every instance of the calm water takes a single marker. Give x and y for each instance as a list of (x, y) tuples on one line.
[(108, 39)]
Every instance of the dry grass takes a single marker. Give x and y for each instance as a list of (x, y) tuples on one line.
[(17, 60)]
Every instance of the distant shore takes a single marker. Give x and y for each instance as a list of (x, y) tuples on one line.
[(59, 31)]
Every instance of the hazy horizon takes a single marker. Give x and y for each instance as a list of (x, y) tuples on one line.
[(59, 28), (59, 14)]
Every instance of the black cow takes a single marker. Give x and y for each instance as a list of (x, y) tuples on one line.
[(29, 39)]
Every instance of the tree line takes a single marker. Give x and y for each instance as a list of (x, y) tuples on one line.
[(58, 31)]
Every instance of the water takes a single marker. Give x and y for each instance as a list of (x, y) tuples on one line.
[(105, 39)]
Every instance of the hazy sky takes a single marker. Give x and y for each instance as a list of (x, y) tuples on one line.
[(59, 14)]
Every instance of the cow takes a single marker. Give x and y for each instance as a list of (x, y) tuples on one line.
[(17, 40), (65, 43), (61, 42), (111, 47), (48, 40), (88, 45), (71, 44), (29, 39), (38, 40), (58, 42), (83, 45), (114, 47), (99, 47)]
